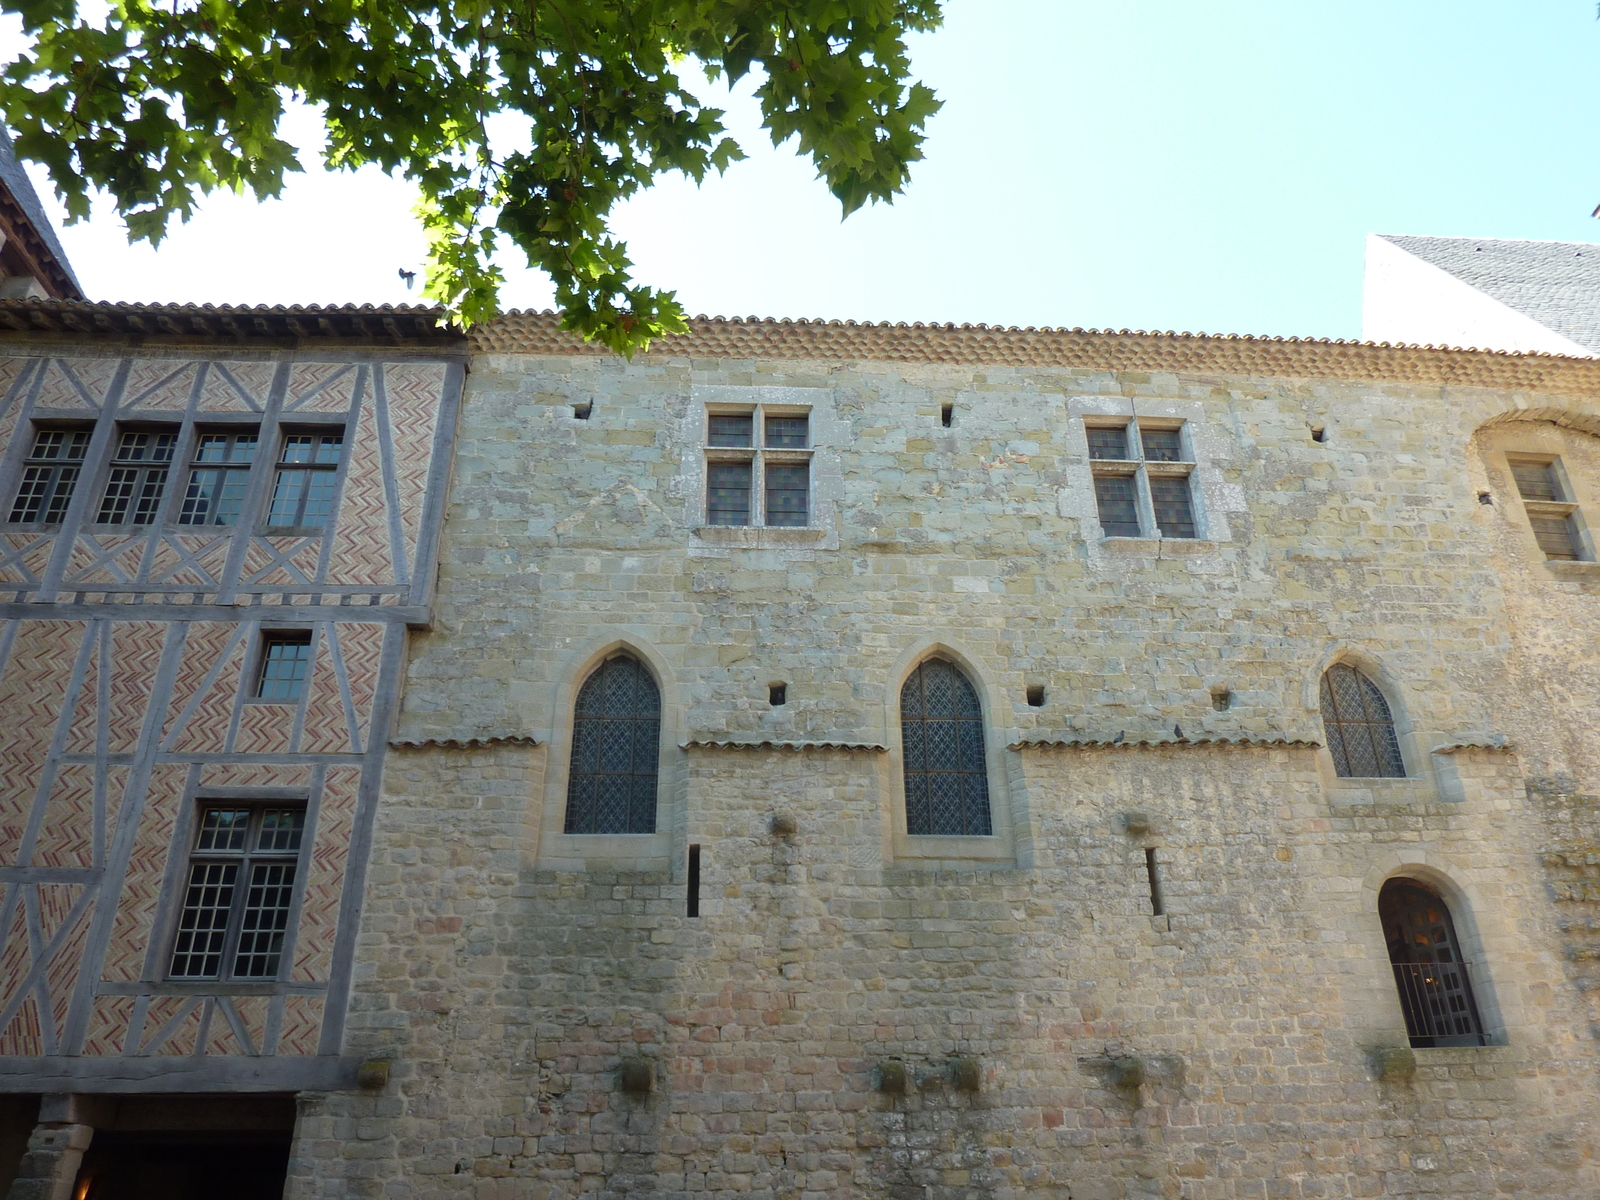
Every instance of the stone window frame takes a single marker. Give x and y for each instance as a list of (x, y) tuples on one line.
[(1142, 469), (1486, 934), (1419, 783), (827, 432), (1001, 849), (1543, 442), (1207, 446), (557, 850)]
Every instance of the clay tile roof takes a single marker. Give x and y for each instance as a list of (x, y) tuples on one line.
[(386, 323), (1089, 349), (708, 742), (463, 743), (29, 222), (1154, 743)]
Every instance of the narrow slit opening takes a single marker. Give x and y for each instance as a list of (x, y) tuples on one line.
[(1154, 872), (947, 414), (693, 907)]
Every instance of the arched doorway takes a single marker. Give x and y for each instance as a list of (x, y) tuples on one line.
[(1429, 971)]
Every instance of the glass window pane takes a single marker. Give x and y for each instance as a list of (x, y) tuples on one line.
[(1108, 443), (1119, 511), (288, 493), (787, 433), (1360, 729), (787, 488), (330, 447), (728, 493), (298, 448), (1174, 508), (268, 899), (284, 665), (946, 779), (214, 496), (222, 829), (61, 493), (281, 829), (1162, 445), (724, 430), (203, 923), (30, 495)]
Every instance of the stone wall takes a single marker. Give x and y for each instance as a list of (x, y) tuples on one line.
[(1241, 1044)]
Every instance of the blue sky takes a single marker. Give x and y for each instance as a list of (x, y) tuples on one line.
[(1129, 163)]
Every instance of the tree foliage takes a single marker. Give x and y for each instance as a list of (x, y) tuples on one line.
[(160, 103)]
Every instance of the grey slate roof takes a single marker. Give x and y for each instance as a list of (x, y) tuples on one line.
[(1555, 283), (17, 183)]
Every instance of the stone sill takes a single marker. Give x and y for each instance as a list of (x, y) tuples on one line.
[(1159, 547), (1582, 572), (936, 852), (759, 536), (1410, 789)]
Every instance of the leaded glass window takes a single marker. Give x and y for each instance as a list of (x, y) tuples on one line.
[(1359, 728), (307, 477), (240, 893), (55, 460), (941, 731), (219, 478), (616, 739), (138, 478)]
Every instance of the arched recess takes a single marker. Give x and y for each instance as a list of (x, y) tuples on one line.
[(1412, 755), (1001, 846), (1486, 938), (558, 850), (1564, 417)]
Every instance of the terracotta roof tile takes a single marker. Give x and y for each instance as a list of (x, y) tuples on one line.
[(706, 742), (1087, 349), (1154, 743)]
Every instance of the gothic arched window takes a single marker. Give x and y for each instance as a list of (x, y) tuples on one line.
[(616, 737), (941, 731), (1428, 968), (1359, 727)]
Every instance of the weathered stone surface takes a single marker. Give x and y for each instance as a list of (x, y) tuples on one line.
[(507, 970)]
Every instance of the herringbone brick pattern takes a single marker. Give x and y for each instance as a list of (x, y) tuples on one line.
[(130, 932), (326, 729), (105, 559), (361, 538), (108, 1025), (321, 387), (135, 653), (66, 839), (32, 692), (319, 914), (159, 384), (236, 387), (22, 1037), (206, 729), (363, 653), (75, 383), (413, 391), (255, 775), (265, 729), (302, 1025)]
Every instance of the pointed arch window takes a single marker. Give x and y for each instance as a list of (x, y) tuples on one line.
[(616, 736), (1359, 727), (1429, 971), (941, 731)]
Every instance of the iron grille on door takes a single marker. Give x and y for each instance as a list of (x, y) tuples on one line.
[(1435, 992), (616, 735), (941, 731), (1360, 730)]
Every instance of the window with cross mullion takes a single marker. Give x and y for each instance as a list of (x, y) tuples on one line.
[(307, 479), (1143, 482), (758, 481), (219, 477), (240, 892), (49, 475), (138, 477)]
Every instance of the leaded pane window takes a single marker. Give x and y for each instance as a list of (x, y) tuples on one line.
[(616, 741), (1169, 496), (218, 479), (1162, 445), (1429, 971), (1359, 728), (306, 480), (729, 493), (1117, 500), (1108, 443), (946, 774), (55, 460), (230, 931), (787, 493), (138, 478)]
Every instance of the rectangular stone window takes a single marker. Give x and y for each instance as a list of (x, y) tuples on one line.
[(1553, 516), (1141, 469), (50, 474), (758, 484), (240, 893)]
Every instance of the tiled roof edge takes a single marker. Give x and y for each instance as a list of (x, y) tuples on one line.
[(1154, 743), (708, 743), (1497, 743), (464, 743), (521, 332), (386, 323)]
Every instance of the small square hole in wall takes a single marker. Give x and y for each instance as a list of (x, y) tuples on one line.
[(947, 414), (1036, 695), (1221, 699), (1319, 433), (584, 410), (1485, 498), (777, 694)]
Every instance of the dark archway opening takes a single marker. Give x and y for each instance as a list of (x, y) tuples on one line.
[(1429, 970), (189, 1148)]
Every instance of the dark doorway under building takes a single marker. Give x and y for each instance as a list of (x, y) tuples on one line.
[(188, 1148)]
